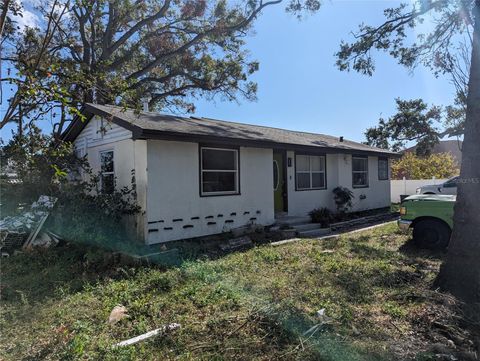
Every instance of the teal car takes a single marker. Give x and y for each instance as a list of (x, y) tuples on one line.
[(430, 217)]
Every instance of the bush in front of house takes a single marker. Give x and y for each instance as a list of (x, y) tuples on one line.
[(83, 213), (323, 215), (343, 199)]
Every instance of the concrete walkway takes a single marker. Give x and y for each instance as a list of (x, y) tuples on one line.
[(332, 234)]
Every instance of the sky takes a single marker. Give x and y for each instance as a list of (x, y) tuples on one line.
[(299, 86)]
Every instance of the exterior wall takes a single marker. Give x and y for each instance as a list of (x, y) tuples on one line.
[(302, 202), (129, 157), (339, 173), (377, 194), (168, 187), (173, 193)]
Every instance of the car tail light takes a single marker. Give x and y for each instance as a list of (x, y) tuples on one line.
[(403, 211)]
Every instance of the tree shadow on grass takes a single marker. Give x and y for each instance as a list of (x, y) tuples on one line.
[(365, 251), (412, 251)]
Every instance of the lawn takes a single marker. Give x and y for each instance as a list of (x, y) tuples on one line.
[(258, 304)]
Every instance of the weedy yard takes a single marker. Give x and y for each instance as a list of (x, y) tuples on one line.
[(259, 304)]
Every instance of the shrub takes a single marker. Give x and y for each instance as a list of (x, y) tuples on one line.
[(81, 214), (92, 218), (321, 215), (411, 166), (343, 199)]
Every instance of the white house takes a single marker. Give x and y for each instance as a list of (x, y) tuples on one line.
[(199, 176)]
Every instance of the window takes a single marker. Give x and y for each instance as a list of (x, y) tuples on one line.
[(451, 183), (107, 173), (359, 172), (218, 171), (382, 168), (310, 172), (78, 172)]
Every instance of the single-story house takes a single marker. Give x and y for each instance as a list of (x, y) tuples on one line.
[(200, 176)]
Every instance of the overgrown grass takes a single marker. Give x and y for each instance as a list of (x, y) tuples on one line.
[(251, 305)]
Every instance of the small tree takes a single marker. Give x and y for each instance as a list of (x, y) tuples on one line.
[(411, 166)]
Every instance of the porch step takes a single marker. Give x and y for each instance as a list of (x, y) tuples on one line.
[(314, 232)]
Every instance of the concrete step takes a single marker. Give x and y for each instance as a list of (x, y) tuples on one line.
[(314, 232), (306, 226)]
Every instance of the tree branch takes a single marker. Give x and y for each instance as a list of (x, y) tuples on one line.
[(130, 32), (198, 38)]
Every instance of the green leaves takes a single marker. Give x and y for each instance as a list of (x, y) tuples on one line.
[(411, 166), (414, 121), (124, 51), (449, 24)]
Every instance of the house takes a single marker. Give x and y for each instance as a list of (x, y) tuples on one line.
[(452, 147), (199, 176)]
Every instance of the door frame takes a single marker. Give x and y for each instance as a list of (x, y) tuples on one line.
[(284, 184)]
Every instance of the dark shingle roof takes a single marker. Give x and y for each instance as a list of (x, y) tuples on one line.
[(148, 124)]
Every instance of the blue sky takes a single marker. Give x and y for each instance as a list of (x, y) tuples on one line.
[(299, 86)]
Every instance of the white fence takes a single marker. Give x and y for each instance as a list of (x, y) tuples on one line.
[(409, 186)]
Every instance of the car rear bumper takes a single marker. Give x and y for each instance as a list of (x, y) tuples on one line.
[(404, 225)]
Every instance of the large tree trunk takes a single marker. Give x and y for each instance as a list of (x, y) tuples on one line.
[(460, 274)]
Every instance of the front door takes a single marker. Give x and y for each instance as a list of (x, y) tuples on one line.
[(278, 182)]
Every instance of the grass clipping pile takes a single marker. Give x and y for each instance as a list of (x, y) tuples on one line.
[(365, 296)]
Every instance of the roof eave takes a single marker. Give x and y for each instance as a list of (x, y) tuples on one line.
[(89, 110), (202, 138)]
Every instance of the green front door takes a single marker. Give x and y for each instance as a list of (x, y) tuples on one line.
[(278, 181)]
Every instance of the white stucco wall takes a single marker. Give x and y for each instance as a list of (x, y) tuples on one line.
[(173, 193), (302, 202), (339, 172), (167, 181), (378, 191)]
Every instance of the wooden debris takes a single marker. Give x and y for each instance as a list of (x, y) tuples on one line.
[(148, 335)]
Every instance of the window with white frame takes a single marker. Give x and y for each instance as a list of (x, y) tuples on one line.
[(107, 172), (219, 171), (359, 172), (310, 172), (382, 168)]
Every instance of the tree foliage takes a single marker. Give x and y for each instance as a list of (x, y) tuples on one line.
[(453, 22), (414, 121), (444, 48), (437, 48), (167, 52), (411, 166), (9, 8)]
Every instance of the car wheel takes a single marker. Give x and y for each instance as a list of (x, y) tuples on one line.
[(431, 234)]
